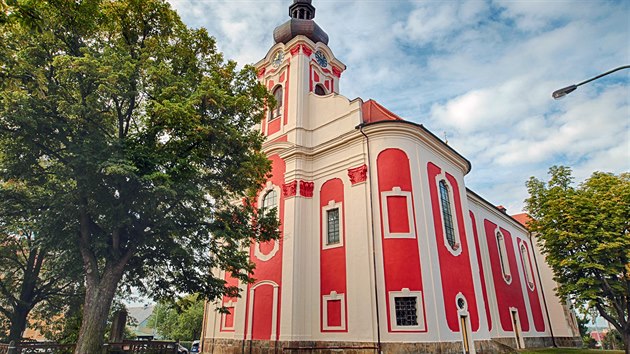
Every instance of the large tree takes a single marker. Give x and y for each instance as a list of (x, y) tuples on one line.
[(141, 133), (584, 232)]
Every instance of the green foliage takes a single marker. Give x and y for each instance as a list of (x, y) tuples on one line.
[(35, 271), (612, 340), (140, 135), (181, 320), (584, 233), (582, 322), (588, 341)]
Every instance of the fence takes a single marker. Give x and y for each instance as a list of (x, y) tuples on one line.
[(36, 347), (142, 347), (125, 347)]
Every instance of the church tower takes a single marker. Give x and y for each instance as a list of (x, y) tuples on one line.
[(299, 63)]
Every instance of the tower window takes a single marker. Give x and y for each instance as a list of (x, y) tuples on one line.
[(447, 215), (270, 200), (332, 217), (277, 111), (320, 90)]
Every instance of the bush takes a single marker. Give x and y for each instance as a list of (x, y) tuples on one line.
[(612, 340), (588, 342)]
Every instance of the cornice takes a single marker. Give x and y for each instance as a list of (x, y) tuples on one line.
[(419, 132), (489, 207)]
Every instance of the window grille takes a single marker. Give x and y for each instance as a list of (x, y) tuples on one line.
[(406, 311)]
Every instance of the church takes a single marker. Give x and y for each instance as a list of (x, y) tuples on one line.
[(383, 248)]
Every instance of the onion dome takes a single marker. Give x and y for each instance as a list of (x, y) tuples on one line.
[(302, 13)]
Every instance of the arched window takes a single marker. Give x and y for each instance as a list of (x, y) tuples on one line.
[(277, 111), (270, 200), (447, 215), (529, 276), (503, 259), (320, 90)]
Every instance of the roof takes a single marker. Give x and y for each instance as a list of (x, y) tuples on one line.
[(140, 313), (522, 218), (373, 111), (300, 24)]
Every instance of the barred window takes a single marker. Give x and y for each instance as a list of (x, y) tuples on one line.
[(447, 215), (332, 217), (406, 311)]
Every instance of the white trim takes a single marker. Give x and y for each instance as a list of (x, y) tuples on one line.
[(232, 305), (449, 187), (274, 309), (461, 296), (332, 205), (504, 261), (276, 244), (518, 332), (419, 310), (463, 312), (397, 192), (528, 274), (333, 297)]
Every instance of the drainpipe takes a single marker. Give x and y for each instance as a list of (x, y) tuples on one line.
[(542, 291), (369, 188)]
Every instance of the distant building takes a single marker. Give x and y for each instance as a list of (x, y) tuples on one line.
[(141, 317), (382, 245)]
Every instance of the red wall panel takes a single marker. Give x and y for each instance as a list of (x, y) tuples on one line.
[(456, 272), (481, 272), (534, 299), (332, 260), (508, 295), (270, 270), (401, 257)]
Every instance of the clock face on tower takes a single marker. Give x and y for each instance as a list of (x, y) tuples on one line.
[(320, 57), (277, 59)]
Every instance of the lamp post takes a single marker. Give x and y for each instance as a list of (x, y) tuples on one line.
[(557, 94)]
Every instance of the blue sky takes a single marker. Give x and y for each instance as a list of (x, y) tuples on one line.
[(481, 72)]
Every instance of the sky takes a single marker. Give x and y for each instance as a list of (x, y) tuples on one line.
[(478, 73)]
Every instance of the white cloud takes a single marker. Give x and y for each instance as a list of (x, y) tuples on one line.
[(481, 71)]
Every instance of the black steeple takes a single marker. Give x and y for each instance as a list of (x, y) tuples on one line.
[(302, 9), (302, 13)]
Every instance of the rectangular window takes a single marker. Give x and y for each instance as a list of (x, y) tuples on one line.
[(332, 217), (406, 311)]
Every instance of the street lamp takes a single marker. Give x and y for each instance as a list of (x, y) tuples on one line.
[(567, 90)]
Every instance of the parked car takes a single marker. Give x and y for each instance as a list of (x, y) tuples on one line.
[(195, 347), (181, 349)]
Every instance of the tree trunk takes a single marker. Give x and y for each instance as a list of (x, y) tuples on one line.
[(98, 300), (626, 340), (18, 323)]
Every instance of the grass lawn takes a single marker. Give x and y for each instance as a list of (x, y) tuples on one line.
[(569, 351)]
